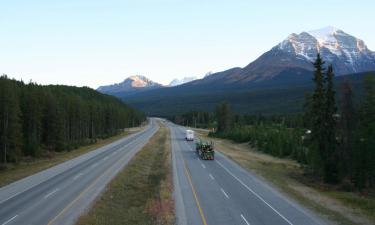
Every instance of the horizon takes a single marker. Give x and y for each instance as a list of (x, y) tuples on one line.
[(91, 43)]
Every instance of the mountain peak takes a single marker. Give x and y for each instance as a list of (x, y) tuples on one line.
[(184, 80), (130, 84), (350, 54), (324, 32), (139, 81)]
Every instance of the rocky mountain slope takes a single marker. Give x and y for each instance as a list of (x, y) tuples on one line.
[(130, 84)]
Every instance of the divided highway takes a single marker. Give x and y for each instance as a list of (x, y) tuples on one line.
[(60, 194), (219, 191)]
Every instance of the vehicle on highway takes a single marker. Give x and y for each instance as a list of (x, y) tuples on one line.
[(205, 149), (189, 135)]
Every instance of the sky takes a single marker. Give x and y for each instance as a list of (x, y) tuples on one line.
[(93, 43)]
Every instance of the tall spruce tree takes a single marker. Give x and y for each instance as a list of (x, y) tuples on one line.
[(316, 116), (330, 154)]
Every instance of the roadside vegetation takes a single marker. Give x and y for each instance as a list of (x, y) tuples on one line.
[(331, 142), (39, 121), (142, 192)]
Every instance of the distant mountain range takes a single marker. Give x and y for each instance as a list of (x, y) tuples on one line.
[(138, 83), (285, 66)]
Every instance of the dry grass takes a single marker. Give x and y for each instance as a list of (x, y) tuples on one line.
[(287, 176), (26, 168), (142, 192)]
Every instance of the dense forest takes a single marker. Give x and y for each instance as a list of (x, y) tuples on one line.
[(333, 138), (36, 119)]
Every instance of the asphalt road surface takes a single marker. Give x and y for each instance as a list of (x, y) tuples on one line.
[(60, 194), (219, 191)]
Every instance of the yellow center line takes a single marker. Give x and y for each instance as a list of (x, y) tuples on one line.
[(195, 194)]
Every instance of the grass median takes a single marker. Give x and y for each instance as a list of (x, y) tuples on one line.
[(339, 207), (29, 167), (142, 192)]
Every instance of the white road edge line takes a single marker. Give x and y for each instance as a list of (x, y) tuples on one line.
[(212, 177), (8, 221), (51, 193), (258, 196), (77, 176), (222, 190), (244, 219), (203, 165)]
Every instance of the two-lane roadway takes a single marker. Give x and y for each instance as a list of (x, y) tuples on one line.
[(60, 194), (219, 191)]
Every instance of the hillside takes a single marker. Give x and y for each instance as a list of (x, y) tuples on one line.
[(283, 94)]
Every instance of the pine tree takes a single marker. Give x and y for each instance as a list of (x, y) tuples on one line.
[(316, 116), (330, 154)]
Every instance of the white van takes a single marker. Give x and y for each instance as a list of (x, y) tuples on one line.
[(189, 135)]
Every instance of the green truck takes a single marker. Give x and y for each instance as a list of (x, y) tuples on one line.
[(205, 149)]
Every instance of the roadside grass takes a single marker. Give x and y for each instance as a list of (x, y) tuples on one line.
[(142, 192), (25, 168), (337, 207)]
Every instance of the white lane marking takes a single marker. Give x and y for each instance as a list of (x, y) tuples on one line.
[(13, 196), (94, 165), (244, 219), (77, 176), (203, 165), (8, 221), (222, 190), (105, 158), (51, 193), (212, 177), (251, 190)]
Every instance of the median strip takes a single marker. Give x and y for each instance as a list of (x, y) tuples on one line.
[(142, 192)]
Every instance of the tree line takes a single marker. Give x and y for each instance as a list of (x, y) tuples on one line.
[(36, 119), (333, 137)]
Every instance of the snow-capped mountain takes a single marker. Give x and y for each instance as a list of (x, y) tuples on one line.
[(130, 84), (347, 53), (184, 80)]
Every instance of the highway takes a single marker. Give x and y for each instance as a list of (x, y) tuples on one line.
[(219, 191), (60, 194)]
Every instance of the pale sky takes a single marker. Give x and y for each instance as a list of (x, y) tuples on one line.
[(93, 43)]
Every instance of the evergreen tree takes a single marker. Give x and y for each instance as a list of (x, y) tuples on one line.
[(330, 154), (223, 117), (10, 128), (316, 116)]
